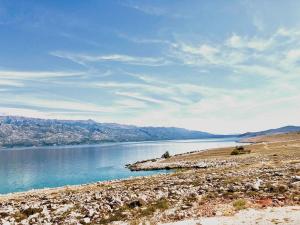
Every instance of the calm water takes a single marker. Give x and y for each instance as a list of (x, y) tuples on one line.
[(31, 168)]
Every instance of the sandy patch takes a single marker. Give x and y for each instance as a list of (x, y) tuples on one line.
[(289, 215)]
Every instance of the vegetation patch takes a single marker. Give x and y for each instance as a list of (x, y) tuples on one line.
[(239, 150), (239, 204), (166, 155), (162, 204), (19, 216)]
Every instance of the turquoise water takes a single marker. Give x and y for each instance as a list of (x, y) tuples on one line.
[(32, 168)]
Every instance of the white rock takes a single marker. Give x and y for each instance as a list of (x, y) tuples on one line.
[(256, 185), (4, 222), (296, 178), (87, 220), (296, 184)]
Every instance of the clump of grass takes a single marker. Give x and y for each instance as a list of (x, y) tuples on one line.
[(30, 211), (180, 170), (134, 222), (19, 216), (117, 216), (161, 204), (238, 150), (239, 204)]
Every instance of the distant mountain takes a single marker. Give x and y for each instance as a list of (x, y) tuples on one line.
[(25, 132), (280, 130)]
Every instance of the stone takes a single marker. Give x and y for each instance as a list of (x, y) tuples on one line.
[(231, 188), (296, 184), (136, 203), (296, 178), (86, 220), (256, 185)]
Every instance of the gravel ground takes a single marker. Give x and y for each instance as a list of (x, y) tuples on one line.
[(289, 215)]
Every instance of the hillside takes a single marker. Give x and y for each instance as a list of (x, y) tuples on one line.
[(281, 130), (291, 136), (21, 132)]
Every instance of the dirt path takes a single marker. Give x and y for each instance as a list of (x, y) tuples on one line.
[(289, 215)]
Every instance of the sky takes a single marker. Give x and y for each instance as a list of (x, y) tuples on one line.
[(217, 66)]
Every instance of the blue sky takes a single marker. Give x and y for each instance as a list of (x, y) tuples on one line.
[(218, 66)]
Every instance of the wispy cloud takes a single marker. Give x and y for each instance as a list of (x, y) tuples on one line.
[(273, 56), (57, 104), (23, 75), (148, 9), (21, 79), (140, 97), (236, 41), (156, 10), (10, 83), (84, 59)]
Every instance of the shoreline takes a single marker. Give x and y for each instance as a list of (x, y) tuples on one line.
[(114, 180), (76, 186), (123, 175), (267, 176), (99, 182), (72, 187), (172, 163)]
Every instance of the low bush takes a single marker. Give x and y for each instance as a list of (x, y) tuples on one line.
[(238, 150), (166, 155)]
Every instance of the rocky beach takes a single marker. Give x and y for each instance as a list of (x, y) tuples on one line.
[(212, 183)]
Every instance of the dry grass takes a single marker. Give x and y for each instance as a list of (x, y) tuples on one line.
[(278, 149), (274, 138), (239, 204)]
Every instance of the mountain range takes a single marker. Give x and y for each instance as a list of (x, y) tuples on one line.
[(25, 132)]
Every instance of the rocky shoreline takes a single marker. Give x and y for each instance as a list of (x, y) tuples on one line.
[(267, 177), (159, 164)]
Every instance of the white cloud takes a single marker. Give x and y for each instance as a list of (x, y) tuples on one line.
[(10, 83), (203, 50), (273, 56), (236, 41), (83, 59), (23, 75), (17, 78), (55, 104), (139, 96)]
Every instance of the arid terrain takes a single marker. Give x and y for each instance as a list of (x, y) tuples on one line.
[(273, 138), (217, 182)]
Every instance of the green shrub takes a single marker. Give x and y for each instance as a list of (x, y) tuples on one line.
[(235, 152), (238, 150), (166, 155)]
